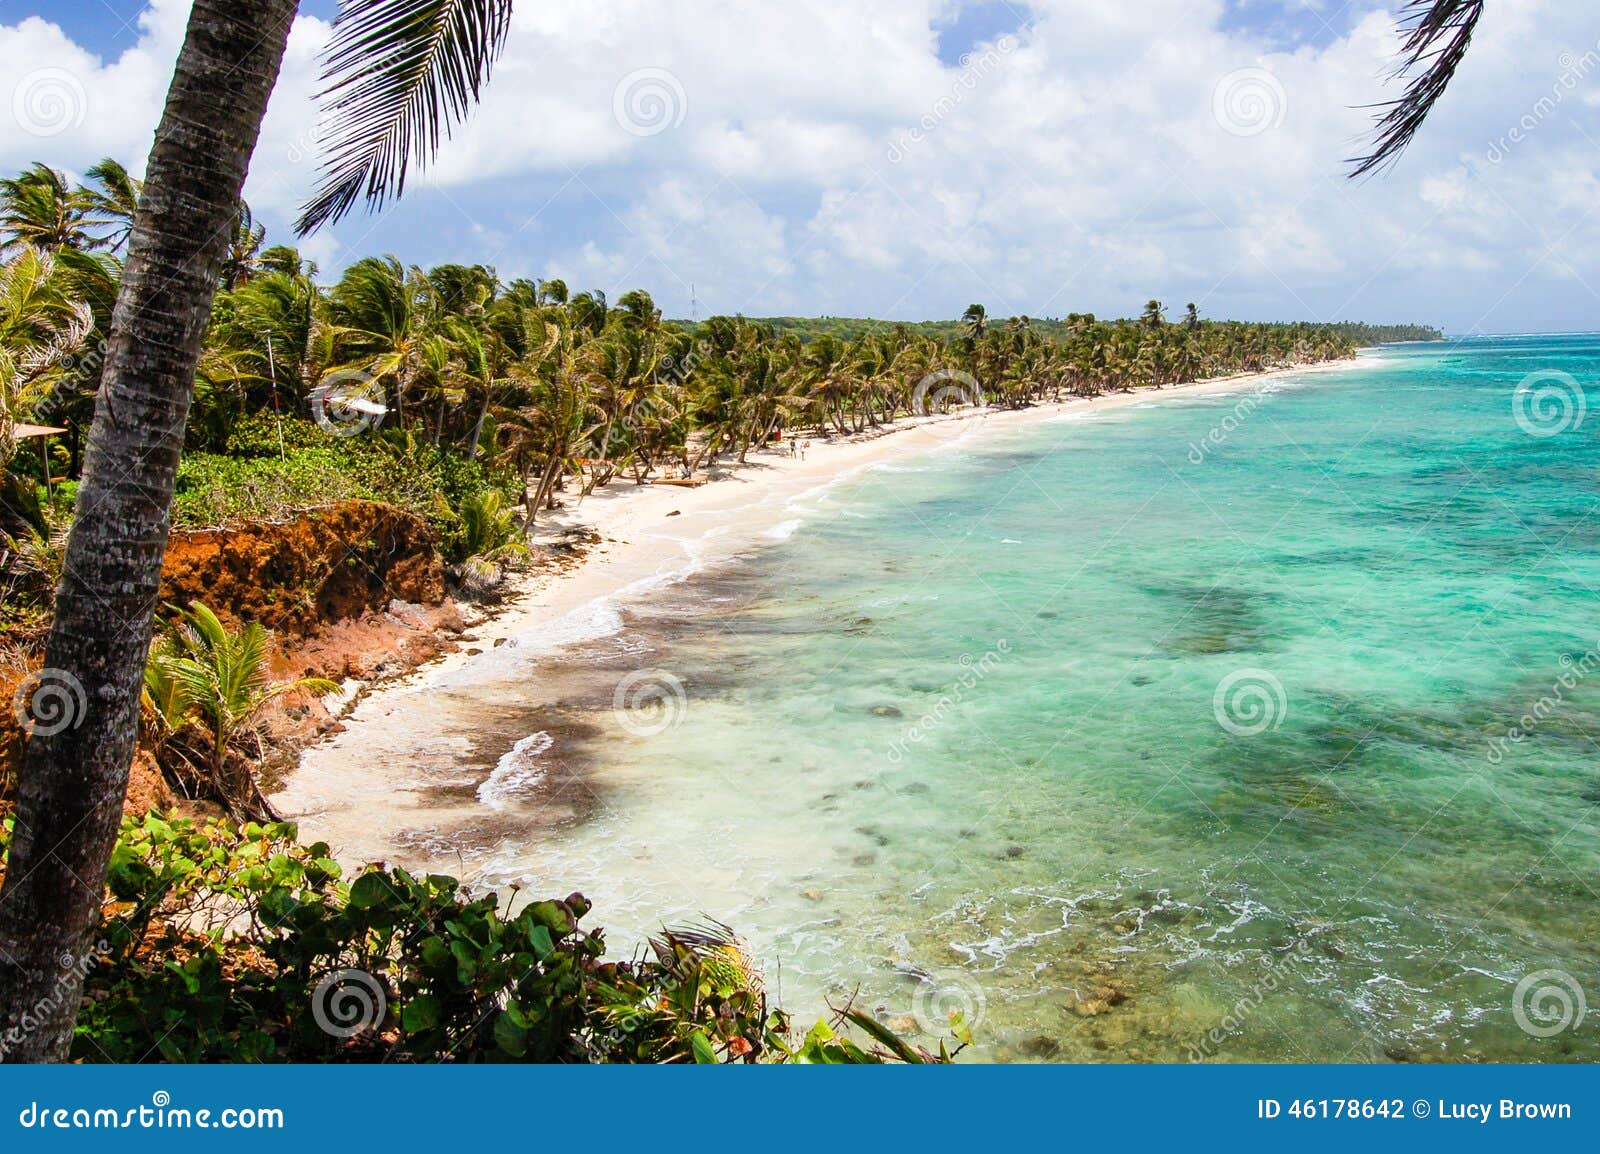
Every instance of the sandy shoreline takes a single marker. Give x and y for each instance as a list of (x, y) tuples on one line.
[(654, 535), (650, 537)]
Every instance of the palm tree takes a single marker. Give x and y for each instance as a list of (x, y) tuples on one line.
[(399, 71), (1437, 36), (42, 329), (42, 326), (272, 327), (491, 538), (41, 209), (224, 679), (243, 258), (383, 320), (976, 318), (114, 203)]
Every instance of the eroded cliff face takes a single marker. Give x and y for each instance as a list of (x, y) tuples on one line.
[(299, 576), (356, 589)]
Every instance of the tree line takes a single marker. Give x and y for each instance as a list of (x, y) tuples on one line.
[(552, 387)]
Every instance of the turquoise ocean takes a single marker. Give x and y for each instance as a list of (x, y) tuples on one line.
[(1256, 726)]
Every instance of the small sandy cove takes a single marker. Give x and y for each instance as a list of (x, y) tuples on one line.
[(653, 535)]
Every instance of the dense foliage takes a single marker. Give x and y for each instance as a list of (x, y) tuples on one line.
[(224, 943), (534, 387), (851, 328)]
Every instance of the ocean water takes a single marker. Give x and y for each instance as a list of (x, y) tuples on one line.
[(1251, 727)]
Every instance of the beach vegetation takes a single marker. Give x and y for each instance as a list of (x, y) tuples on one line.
[(224, 942), (202, 674)]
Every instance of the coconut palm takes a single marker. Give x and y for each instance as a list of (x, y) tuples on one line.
[(383, 320), (976, 318), (399, 72), (225, 681), (274, 328), (42, 328), (491, 538), (1437, 36), (243, 258), (40, 208), (114, 203)]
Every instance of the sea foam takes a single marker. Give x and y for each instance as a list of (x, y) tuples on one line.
[(518, 773)]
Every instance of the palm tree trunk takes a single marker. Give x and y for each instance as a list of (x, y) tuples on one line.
[(69, 797), (477, 426)]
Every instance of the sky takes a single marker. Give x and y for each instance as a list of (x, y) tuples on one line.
[(907, 158)]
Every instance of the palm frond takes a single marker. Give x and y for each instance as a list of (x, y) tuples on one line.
[(398, 73), (1437, 36)]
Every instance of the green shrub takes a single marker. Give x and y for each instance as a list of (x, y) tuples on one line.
[(252, 481), (224, 944)]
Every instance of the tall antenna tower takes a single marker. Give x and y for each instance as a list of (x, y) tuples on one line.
[(694, 306)]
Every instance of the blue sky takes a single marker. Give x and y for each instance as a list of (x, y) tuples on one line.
[(109, 26), (905, 159)]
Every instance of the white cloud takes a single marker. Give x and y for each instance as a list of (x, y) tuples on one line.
[(825, 161)]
